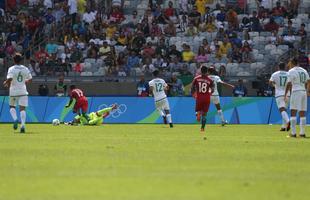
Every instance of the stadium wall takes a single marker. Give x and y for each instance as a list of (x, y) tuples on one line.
[(247, 110)]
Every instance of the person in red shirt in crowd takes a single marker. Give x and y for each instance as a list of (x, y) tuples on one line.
[(117, 15), (278, 10), (170, 11), (32, 24), (202, 88), (81, 102), (271, 26)]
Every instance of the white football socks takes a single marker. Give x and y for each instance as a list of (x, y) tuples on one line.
[(285, 117), (293, 125), (220, 113), (23, 117), (169, 120), (13, 113), (302, 124)]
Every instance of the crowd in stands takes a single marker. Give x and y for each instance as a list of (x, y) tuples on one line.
[(175, 39)]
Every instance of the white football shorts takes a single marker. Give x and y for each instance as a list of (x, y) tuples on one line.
[(20, 101), (298, 101), (162, 104), (281, 103)]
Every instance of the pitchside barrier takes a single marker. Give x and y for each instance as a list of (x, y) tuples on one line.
[(246, 110)]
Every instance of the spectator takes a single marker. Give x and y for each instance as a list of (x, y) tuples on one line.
[(266, 90), (89, 16), (278, 12), (210, 25), (302, 32), (289, 28), (133, 61), (142, 87), (174, 53), (201, 6), (201, 57), (235, 55), (303, 60), (170, 11), (104, 50), (240, 90), (60, 89), (194, 16), (225, 47), (72, 6), (271, 26), (176, 87), (78, 67), (246, 51), (187, 54), (183, 4), (221, 17), (191, 30), (51, 47), (170, 30), (34, 68), (43, 90)]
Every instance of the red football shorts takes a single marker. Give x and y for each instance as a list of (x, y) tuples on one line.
[(81, 104), (202, 104)]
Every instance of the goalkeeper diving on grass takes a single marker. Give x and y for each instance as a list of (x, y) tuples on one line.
[(95, 118)]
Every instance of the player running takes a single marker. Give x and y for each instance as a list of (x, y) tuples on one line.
[(17, 78), (158, 88), (279, 81), (299, 84), (81, 102), (215, 98), (202, 88), (95, 118)]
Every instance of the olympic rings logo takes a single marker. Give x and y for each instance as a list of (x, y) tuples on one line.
[(116, 113)]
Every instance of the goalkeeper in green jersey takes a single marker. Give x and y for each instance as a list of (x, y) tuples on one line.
[(95, 118)]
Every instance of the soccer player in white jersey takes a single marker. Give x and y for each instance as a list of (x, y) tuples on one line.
[(215, 98), (279, 80), (299, 85), (158, 88), (17, 77)]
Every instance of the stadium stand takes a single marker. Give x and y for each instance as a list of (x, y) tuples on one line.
[(122, 39)]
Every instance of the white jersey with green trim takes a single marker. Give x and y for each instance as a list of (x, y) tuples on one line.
[(158, 86), (19, 74), (215, 79), (298, 76), (280, 79)]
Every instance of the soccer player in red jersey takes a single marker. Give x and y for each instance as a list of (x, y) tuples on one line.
[(202, 88), (81, 102)]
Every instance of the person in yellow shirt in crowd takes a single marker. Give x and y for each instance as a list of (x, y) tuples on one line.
[(201, 6), (187, 54), (191, 30), (81, 6), (225, 47), (122, 39), (111, 30)]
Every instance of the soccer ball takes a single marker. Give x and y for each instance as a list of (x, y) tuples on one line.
[(55, 122)]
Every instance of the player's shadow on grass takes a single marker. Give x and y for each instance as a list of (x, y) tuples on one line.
[(27, 133)]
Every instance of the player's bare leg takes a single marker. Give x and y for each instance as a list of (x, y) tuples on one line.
[(14, 116), (221, 115), (293, 123), (198, 116), (203, 120), (286, 126), (302, 124), (169, 119), (22, 118)]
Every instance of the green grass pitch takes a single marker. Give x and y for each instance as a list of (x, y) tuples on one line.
[(152, 162)]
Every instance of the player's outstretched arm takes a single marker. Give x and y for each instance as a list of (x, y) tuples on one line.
[(69, 104), (151, 91), (227, 84), (308, 87), (287, 89)]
